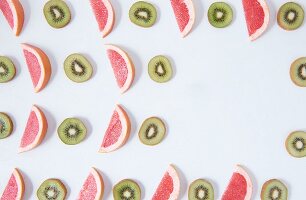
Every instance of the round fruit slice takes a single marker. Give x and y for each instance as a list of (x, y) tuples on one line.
[(257, 17), (296, 144), (39, 66), (240, 186), (274, 189), (51, 189), (104, 14), (143, 14), (201, 189), (290, 16), (118, 131), (93, 187), (57, 13), (127, 189), (14, 189), (185, 15), (122, 65), (169, 187), (7, 69), (220, 14), (14, 14), (72, 131), (35, 130), (298, 72), (6, 125), (152, 131), (160, 69)]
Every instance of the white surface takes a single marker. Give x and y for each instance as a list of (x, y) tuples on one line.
[(231, 101)]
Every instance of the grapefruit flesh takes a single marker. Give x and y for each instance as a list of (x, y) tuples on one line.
[(14, 189), (13, 13), (93, 187), (118, 131), (169, 186), (185, 15), (122, 66), (35, 130), (257, 17), (104, 14), (239, 187)]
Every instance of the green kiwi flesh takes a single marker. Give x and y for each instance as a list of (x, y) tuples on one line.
[(127, 189), (51, 189), (290, 16), (7, 69), (72, 131), (220, 14), (78, 68), (6, 125), (274, 190), (143, 14), (296, 144), (152, 131), (160, 69), (298, 72), (57, 13), (200, 189)]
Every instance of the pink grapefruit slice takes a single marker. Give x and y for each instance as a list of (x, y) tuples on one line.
[(257, 17), (14, 14), (118, 131), (35, 130), (122, 65), (39, 66), (104, 14), (185, 15), (240, 186), (93, 187), (14, 189), (169, 186)]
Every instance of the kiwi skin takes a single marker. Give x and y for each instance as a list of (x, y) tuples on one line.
[(126, 182), (280, 16), (289, 146), (64, 9), (268, 184)]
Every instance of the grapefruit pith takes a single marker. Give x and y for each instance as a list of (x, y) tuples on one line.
[(35, 130), (169, 186), (14, 189), (14, 14), (39, 66), (118, 131), (93, 187)]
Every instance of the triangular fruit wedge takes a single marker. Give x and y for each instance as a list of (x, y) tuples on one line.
[(240, 186), (257, 17), (14, 14), (39, 66), (93, 187), (122, 65), (118, 131), (35, 130), (169, 186), (14, 189), (185, 15), (104, 14)]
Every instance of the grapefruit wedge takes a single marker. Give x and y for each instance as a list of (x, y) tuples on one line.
[(118, 131), (104, 14), (35, 130), (122, 65), (240, 186), (39, 66), (185, 15), (14, 189), (257, 17), (169, 186), (93, 187), (13, 13)]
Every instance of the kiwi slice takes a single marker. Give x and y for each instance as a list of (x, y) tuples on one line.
[(51, 189), (6, 125), (160, 69), (152, 131), (57, 13), (7, 69), (72, 131), (298, 72), (220, 14), (290, 16), (143, 14), (127, 189), (200, 189), (296, 144), (274, 190), (77, 68)]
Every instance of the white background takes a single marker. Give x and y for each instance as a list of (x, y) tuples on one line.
[(231, 101)]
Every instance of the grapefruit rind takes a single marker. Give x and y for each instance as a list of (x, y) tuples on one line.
[(20, 185)]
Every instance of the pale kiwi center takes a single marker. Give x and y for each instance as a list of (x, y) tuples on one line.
[(127, 194), (57, 13), (51, 193), (151, 132), (299, 144), (72, 131), (2, 70), (201, 193), (160, 69), (275, 194), (291, 15), (143, 14), (78, 68), (219, 14)]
